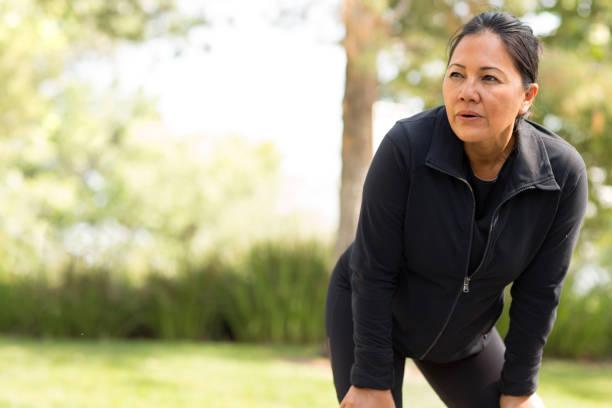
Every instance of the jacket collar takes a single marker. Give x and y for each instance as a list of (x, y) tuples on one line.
[(531, 165)]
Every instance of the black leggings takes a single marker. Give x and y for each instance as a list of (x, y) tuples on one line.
[(471, 382)]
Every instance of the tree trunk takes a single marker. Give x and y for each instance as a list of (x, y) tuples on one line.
[(360, 93)]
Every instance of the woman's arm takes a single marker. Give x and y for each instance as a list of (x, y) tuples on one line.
[(375, 261), (535, 294)]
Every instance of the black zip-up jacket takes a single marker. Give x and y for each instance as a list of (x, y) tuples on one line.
[(409, 260)]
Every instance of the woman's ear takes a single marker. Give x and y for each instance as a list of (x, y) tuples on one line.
[(530, 95)]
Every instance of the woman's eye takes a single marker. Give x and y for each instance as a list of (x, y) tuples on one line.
[(489, 78), (455, 75)]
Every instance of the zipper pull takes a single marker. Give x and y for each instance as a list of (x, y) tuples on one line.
[(494, 223), (466, 284)]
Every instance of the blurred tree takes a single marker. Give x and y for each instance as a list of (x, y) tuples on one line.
[(361, 44), (83, 177), (51, 130)]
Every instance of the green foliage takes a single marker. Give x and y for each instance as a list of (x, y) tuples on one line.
[(108, 223), (188, 306), (135, 20), (276, 294), (89, 172), (61, 142), (281, 296), (584, 325), (83, 304)]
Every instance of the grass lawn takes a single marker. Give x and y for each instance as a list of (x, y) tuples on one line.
[(65, 373)]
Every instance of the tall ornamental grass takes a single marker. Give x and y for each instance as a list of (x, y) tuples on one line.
[(279, 295), (274, 292)]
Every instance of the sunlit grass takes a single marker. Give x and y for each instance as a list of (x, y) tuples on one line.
[(62, 373), (572, 384)]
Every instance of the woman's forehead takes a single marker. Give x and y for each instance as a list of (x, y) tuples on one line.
[(482, 50)]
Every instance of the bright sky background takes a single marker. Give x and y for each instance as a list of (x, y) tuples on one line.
[(260, 80)]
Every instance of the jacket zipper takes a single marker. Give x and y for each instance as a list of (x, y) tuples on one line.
[(466, 281), (465, 288)]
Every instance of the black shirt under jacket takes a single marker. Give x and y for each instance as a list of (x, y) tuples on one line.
[(412, 289), (487, 194)]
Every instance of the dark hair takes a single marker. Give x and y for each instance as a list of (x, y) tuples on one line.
[(518, 38)]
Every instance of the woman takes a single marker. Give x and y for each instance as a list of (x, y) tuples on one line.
[(460, 201)]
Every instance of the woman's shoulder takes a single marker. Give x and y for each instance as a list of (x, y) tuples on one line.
[(560, 152), (412, 135), (423, 122), (566, 162)]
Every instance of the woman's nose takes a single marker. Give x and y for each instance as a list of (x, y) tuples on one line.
[(469, 92)]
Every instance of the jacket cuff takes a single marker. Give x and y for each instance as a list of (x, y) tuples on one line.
[(378, 380), (519, 389), (518, 380)]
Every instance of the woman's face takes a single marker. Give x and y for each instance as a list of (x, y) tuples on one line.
[(483, 90)]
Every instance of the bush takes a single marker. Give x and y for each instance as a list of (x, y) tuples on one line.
[(188, 306), (275, 292), (281, 296)]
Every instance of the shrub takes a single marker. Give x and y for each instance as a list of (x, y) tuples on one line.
[(275, 292), (281, 296)]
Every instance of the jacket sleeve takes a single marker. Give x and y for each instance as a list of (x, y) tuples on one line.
[(375, 261), (535, 294)]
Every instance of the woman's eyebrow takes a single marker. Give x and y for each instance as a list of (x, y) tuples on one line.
[(481, 68), (495, 68)]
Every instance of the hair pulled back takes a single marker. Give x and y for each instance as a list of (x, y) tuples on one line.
[(518, 39)]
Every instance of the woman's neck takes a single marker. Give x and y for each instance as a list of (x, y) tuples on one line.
[(487, 158)]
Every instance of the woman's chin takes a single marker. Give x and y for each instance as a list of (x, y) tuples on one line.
[(471, 137)]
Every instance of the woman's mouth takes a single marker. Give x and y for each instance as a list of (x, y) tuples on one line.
[(468, 115)]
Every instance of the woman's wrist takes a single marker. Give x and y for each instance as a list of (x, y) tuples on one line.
[(520, 401), (367, 398)]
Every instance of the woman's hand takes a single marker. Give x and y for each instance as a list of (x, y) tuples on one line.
[(367, 398), (528, 401)]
